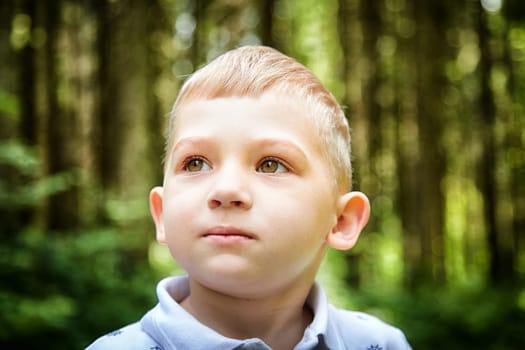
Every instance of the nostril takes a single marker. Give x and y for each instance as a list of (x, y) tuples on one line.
[(215, 203), (224, 197)]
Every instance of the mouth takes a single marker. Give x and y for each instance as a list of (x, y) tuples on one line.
[(228, 233)]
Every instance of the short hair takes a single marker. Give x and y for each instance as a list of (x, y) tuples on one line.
[(251, 71)]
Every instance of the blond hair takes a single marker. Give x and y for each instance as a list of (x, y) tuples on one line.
[(251, 71)]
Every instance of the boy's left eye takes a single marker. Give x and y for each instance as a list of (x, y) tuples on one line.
[(272, 166)]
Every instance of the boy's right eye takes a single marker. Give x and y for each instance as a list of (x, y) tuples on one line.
[(195, 165)]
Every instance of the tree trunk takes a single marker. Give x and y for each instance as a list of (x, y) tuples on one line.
[(60, 121), (500, 245), (10, 96), (126, 103), (266, 27), (421, 158), (372, 113), (129, 121), (514, 145), (350, 46)]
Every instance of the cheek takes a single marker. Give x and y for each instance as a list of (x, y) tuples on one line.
[(324, 216), (177, 216), (178, 234), (304, 217)]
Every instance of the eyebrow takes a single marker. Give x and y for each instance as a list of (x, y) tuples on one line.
[(191, 141), (276, 144)]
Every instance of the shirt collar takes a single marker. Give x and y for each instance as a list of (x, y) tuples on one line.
[(174, 328)]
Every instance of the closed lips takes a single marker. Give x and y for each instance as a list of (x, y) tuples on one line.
[(227, 231)]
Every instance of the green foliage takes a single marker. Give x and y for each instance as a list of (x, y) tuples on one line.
[(456, 319), (21, 159), (60, 290), (9, 105), (74, 287)]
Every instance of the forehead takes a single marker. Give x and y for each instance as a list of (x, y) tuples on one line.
[(266, 116)]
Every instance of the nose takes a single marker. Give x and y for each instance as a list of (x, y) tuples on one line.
[(230, 189)]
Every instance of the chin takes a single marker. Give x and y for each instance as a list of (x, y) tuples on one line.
[(237, 285)]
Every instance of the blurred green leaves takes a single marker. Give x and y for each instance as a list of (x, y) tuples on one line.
[(9, 106), (51, 282), (23, 164), (61, 287)]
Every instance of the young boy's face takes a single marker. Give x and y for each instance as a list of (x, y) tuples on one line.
[(248, 199)]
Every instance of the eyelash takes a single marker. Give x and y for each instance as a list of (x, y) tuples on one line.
[(276, 160), (187, 161)]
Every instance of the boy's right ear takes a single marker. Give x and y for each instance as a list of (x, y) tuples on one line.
[(155, 207)]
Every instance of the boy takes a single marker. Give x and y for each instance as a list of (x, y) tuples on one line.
[(256, 188)]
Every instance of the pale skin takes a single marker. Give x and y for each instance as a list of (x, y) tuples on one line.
[(248, 209)]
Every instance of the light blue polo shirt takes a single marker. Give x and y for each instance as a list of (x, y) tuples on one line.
[(168, 326)]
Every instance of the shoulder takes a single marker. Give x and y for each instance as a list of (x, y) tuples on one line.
[(128, 337), (360, 330)]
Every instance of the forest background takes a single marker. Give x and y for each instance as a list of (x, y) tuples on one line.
[(434, 92)]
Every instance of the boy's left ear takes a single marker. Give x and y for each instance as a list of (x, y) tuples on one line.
[(353, 212)]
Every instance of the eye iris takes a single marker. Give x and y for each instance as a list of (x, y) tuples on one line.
[(194, 165), (269, 166)]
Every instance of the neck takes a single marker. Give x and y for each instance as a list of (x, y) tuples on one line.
[(278, 320)]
